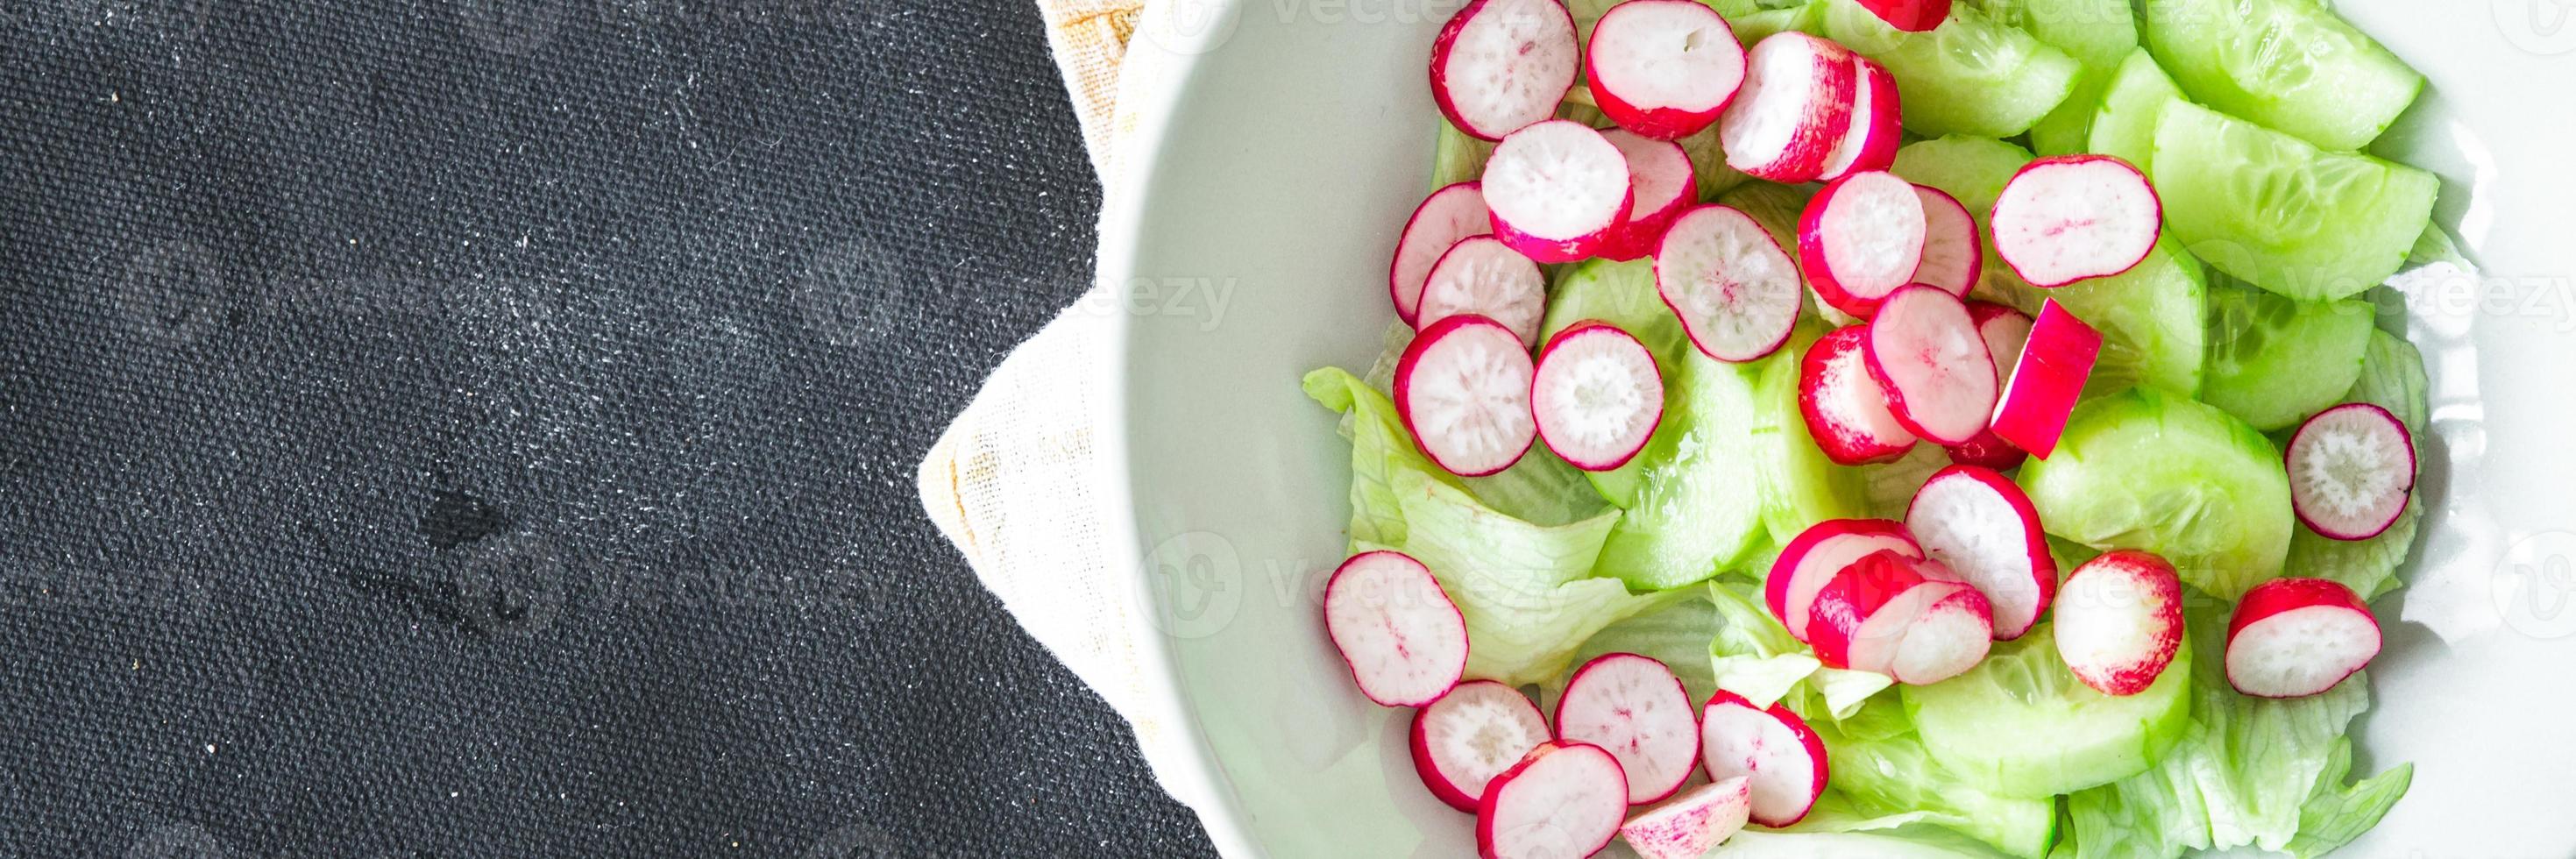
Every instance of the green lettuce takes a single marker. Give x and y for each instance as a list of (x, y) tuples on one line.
[(1676, 634), (2392, 377), (1523, 588), (1881, 767), (1381, 448)]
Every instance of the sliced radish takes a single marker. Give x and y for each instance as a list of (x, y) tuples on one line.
[(1404, 640), (1952, 257), (2004, 330), (2069, 217), (1813, 557), (1502, 64), (1860, 239), (1463, 388), (1661, 186), (1771, 748), (2351, 468), (1448, 215), (1557, 190), (1734, 289), (1663, 68), (1925, 351), (1980, 526), (1563, 800), (1912, 16), (1634, 708), (1877, 127), (2041, 390), (1693, 823), (1951, 636), (1480, 275), (1469, 736), (1860, 616), (1845, 409), (1596, 396), (2119, 621), (2291, 638), (1794, 106)]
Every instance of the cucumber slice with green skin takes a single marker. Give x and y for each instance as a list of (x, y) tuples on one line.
[(1882, 767), (1753, 26), (2133, 99), (2143, 469), (1620, 293), (2019, 724), (2096, 33), (1800, 486), (1696, 508), (1973, 74), (2274, 361), (1974, 170), (2151, 322), (2281, 214), (2292, 65), (2069, 128)]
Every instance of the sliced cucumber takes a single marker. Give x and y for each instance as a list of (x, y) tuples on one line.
[(1619, 293), (1974, 170), (1879, 764), (2274, 361), (1457, 157), (2019, 724), (1696, 509), (1756, 25), (2281, 214), (2288, 64), (1973, 74), (2125, 123), (1775, 206), (2096, 33), (1800, 487), (2147, 470), (2069, 128), (2151, 322)]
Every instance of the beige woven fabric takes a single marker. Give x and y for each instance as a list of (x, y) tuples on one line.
[(1089, 38)]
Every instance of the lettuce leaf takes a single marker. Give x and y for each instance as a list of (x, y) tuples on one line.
[(1677, 634), (1523, 588), (2336, 814), (2392, 377), (1381, 448), (1880, 765)]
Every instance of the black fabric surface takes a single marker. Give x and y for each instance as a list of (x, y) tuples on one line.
[(487, 428)]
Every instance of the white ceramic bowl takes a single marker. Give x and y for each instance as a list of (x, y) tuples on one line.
[(1279, 145)]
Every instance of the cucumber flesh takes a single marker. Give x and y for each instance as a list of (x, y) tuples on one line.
[(2096, 33), (1457, 157), (1696, 509), (1974, 170), (2274, 361), (2125, 123), (2069, 128), (1756, 25), (1622, 294), (1800, 487), (2289, 64), (1971, 75), (2281, 214), (2151, 322), (2019, 724), (2143, 469)]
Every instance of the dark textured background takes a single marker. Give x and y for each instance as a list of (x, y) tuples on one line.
[(486, 428)]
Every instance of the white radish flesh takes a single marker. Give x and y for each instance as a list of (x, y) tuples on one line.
[(1876, 128), (1447, 216), (1860, 239), (2119, 621), (1845, 409), (1980, 526), (1634, 708), (1404, 640), (1596, 396), (2004, 330), (1499, 65), (2292, 638), (1564, 800), (1951, 636), (1773, 749), (1794, 106), (1469, 736), (1693, 823), (1862, 613), (1735, 291), (2069, 217), (1661, 188), (1952, 257), (1463, 388), (1925, 351), (2049, 376), (1557, 190), (2351, 470), (1480, 275), (1813, 558), (1663, 68)]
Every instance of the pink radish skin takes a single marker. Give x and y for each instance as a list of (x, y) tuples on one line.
[(1773, 749), (1912, 16), (1499, 65), (1813, 558), (2004, 330), (1557, 191), (1952, 257), (2291, 638), (1860, 615), (1405, 642), (1876, 125), (1563, 800), (1463, 389), (1661, 187), (1735, 291), (1447, 216), (1469, 736), (1634, 708), (1925, 351), (2041, 390), (1860, 239), (2351, 470), (2119, 621), (1794, 107), (1597, 396), (1663, 68), (2069, 217), (1482, 276), (1980, 526), (1693, 823), (1844, 407)]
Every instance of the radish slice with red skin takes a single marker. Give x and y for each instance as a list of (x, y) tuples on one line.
[(2069, 217), (1862, 613), (2351, 469), (1663, 68), (1634, 708), (1447, 216), (1951, 636), (1980, 526), (1861, 239), (1845, 409), (1912, 16), (2291, 638), (1925, 351), (2041, 391), (1735, 291), (1405, 642), (1480, 275), (1794, 106), (1596, 396), (1499, 65), (2004, 330), (1469, 736), (1661, 188), (1877, 128), (1563, 800), (1952, 257), (2119, 621), (1557, 190), (1773, 749), (1463, 389), (1693, 823), (1813, 558)]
